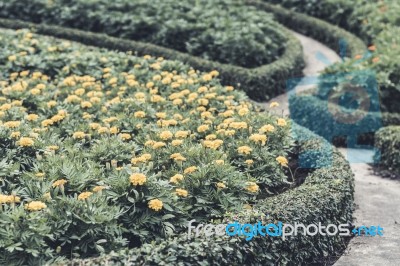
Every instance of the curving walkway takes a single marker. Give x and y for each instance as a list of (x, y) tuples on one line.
[(377, 200)]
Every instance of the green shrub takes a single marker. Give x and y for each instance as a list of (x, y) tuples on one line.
[(387, 140), (223, 30)]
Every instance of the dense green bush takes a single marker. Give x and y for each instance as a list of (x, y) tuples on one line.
[(99, 149), (387, 140), (326, 197), (223, 30)]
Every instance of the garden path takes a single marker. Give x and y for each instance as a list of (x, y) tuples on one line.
[(377, 199)]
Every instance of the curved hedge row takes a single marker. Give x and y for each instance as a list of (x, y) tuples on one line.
[(387, 140), (326, 196), (259, 83), (315, 28), (225, 31)]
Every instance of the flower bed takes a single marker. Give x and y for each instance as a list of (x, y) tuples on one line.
[(100, 148), (103, 150)]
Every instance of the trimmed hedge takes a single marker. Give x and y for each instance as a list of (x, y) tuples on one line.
[(326, 196), (315, 28), (312, 112), (259, 83), (225, 31), (387, 140)]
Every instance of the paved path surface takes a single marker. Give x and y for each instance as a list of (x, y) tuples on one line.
[(377, 199)]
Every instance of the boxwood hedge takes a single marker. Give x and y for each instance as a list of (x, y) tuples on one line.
[(225, 31), (326, 196), (259, 83), (387, 140)]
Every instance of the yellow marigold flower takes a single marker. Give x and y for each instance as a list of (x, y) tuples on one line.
[(15, 135), (5, 107), (125, 136), (281, 122), (139, 114), (282, 160), (102, 130), (113, 81), (274, 104), (94, 125), (47, 196), (146, 156), (9, 199), (149, 143), (114, 130), (243, 111), (57, 118), (53, 147), (203, 102), (252, 187), (230, 132), (203, 128), (86, 104), (219, 162), (79, 135), (221, 185), (84, 195), (258, 138), (229, 88), (249, 162), (176, 178), (190, 170), (211, 137), (177, 157), (161, 115), (244, 150), (228, 113), (12, 124), (238, 125), (25, 142), (155, 204), (35, 91), (35, 206), (12, 58), (138, 179), (165, 135), (213, 144), (51, 104), (207, 77), (266, 128), (32, 117), (177, 101), (98, 188), (176, 142), (58, 183), (181, 192), (47, 122)]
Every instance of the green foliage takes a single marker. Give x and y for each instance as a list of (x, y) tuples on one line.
[(224, 30), (387, 140)]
